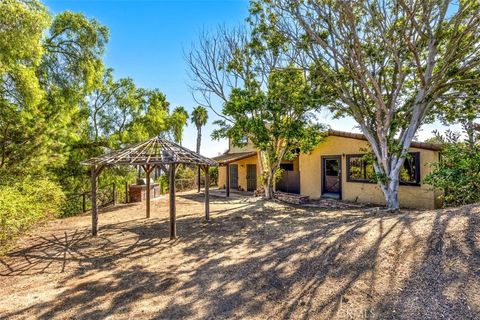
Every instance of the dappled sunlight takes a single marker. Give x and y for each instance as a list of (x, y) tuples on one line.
[(253, 259)]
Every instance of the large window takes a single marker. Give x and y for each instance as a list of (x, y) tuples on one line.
[(360, 170)]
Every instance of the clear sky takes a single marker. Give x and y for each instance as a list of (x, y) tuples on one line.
[(147, 41)]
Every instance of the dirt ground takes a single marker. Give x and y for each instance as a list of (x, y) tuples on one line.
[(253, 260)]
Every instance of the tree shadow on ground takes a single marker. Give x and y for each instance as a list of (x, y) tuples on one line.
[(259, 260)]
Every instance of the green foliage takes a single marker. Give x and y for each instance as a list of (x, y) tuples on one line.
[(199, 116), (461, 105), (279, 120), (213, 172), (178, 120), (457, 173), (43, 76), (59, 105), (163, 183), (26, 202)]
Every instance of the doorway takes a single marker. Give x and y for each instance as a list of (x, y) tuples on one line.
[(332, 176), (233, 176), (251, 177)]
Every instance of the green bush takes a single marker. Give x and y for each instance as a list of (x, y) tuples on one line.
[(24, 203), (458, 174), (213, 172)]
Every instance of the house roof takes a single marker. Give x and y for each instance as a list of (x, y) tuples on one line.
[(232, 157), (228, 157), (156, 151), (359, 136)]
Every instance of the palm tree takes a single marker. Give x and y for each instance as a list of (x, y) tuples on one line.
[(178, 120), (199, 118)]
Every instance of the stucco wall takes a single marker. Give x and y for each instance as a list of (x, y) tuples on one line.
[(242, 172), (409, 196)]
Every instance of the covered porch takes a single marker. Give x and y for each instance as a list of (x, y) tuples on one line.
[(240, 172)]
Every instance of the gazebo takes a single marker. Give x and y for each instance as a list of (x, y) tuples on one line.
[(154, 153)]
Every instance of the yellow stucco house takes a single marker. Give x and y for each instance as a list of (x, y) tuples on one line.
[(335, 169)]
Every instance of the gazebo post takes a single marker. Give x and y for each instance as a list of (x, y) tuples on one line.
[(93, 179), (198, 178), (227, 166), (173, 228), (207, 194), (148, 170)]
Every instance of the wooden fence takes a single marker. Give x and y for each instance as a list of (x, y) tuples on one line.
[(109, 195), (290, 182)]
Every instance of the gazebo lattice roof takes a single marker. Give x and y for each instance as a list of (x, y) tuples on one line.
[(156, 151)]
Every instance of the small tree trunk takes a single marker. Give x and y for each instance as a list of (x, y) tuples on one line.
[(199, 139)]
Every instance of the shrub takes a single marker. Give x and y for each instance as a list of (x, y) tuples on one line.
[(24, 203), (457, 173), (213, 172)]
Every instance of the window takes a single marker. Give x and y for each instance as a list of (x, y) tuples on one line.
[(286, 166), (360, 170), (410, 173)]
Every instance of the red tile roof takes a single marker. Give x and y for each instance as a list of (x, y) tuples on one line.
[(359, 136)]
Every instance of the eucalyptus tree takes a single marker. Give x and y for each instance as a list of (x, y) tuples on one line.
[(112, 105), (388, 62), (264, 97), (46, 64), (199, 118), (461, 105)]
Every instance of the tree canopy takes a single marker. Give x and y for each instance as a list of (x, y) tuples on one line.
[(389, 62), (265, 97), (60, 104)]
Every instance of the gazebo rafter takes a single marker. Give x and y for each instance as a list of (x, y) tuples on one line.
[(154, 153)]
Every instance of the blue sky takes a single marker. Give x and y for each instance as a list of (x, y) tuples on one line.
[(147, 41)]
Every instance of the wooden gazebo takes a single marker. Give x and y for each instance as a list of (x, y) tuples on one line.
[(154, 153)]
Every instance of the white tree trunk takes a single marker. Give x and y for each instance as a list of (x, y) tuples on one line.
[(268, 169), (268, 187), (390, 191)]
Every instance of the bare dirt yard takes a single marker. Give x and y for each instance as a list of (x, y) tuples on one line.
[(253, 260)]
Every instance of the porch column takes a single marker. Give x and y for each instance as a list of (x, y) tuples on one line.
[(207, 194), (94, 172), (198, 178), (147, 175), (227, 166)]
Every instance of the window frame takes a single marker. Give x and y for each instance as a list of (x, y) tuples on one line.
[(416, 159), (349, 179)]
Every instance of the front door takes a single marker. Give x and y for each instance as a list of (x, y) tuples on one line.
[(331, 169), (233, 176), (251, 177)]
